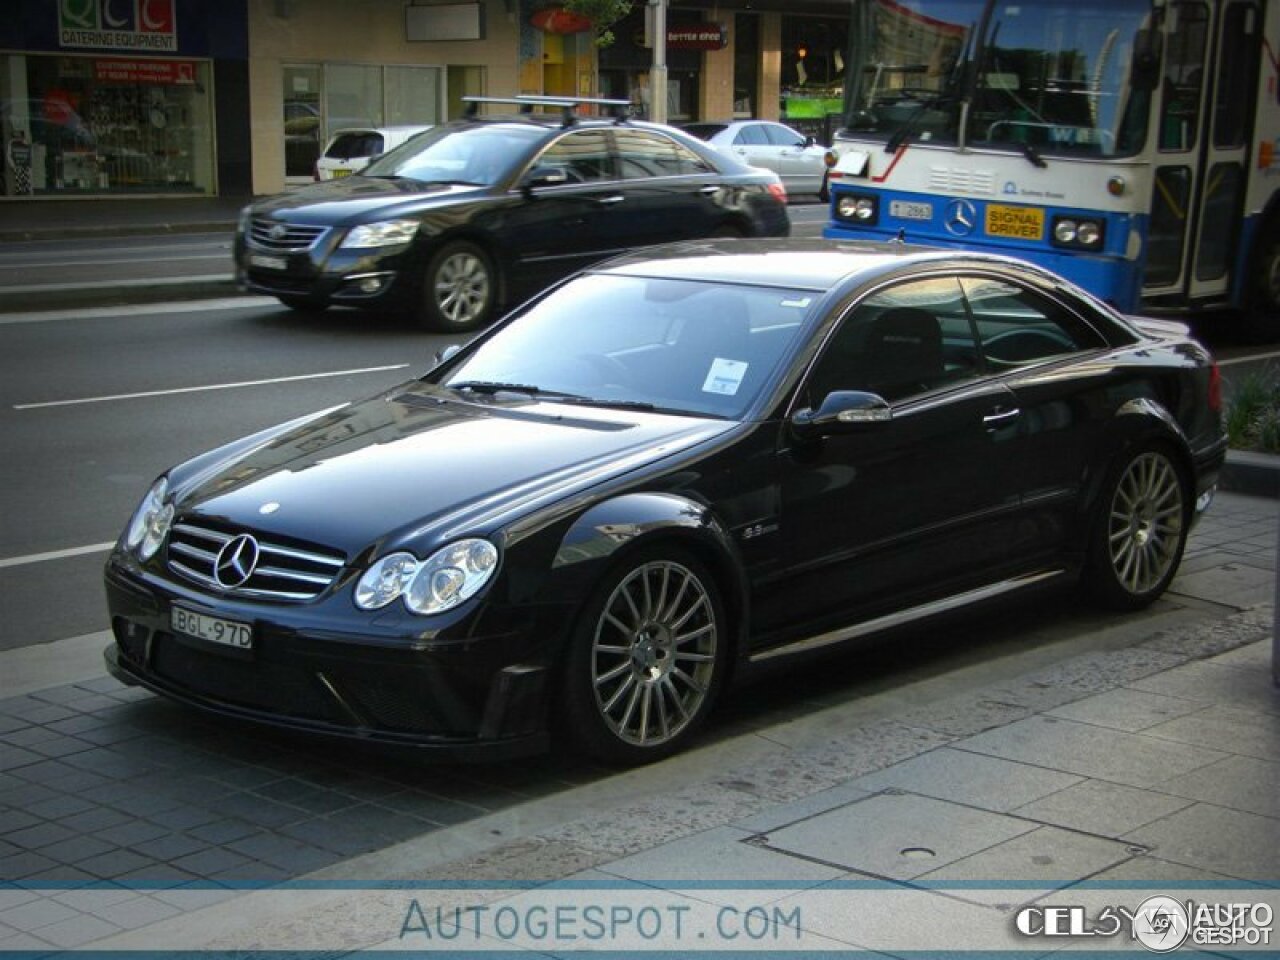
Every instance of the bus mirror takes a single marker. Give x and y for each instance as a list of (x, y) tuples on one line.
[(1145, 73)]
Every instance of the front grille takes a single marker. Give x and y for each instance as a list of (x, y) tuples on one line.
[(282, 237), (284, 571), (949, 180)]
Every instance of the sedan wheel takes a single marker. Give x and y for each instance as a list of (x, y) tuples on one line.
[(458, 289), (646, 660), (1138, 543)]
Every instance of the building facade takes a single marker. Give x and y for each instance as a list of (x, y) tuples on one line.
[(103, 98)]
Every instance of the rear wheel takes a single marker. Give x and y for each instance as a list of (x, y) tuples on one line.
[(1140, 531), (646, 659), (459, 288)]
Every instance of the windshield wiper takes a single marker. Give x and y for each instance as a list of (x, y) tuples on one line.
[(490, 387), (908, 126), (1032, 154)]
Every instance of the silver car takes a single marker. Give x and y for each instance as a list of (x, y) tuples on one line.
[(794, 157)]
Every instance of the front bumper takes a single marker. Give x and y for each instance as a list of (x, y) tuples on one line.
[(326, 273), (474, 700)]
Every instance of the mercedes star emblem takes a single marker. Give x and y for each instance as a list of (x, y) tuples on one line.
[(236, 561), (961, 217)]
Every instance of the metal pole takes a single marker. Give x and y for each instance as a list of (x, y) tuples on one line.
[(658, 75)]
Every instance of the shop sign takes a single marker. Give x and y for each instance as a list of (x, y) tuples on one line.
[(560, 20), (118, 24), (145, 71), (702, 36)]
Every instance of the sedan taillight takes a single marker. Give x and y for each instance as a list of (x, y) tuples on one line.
[(778, 192), (1215, 388)]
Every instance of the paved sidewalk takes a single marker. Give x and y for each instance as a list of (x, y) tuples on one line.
[(116, 217), (1153, 759)]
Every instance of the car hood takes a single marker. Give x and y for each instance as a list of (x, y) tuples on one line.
[(359, 199), (417, 466)]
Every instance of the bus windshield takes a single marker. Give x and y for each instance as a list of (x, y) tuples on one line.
[(1040, 76)]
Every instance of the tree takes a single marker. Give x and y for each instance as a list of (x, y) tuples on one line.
[(603, 14)]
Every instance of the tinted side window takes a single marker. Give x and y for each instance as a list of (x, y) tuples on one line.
[(900, 342), (751, 135), (1016, 326), (645, 154), (582, 156), (780, 136)]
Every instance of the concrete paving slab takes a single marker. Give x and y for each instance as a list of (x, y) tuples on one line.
[(1048, 859), (720, 856), (1211, 682), (1225, 728), (1105, 809), (1235, 584), (1089, 751), (782, 814), (969, 778), (896, 835), (1235, 844), (1239, 783), (1129, 710), (1150, 870)]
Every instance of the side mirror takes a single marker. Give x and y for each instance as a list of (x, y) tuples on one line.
[(448, 353), (1144, 73), (809, 141), (544, 177), (841, 411)]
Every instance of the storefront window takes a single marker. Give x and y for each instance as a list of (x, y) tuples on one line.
[(813, 73), (320, 99), (75, 125)]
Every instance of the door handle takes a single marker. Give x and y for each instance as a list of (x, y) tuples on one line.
[(709, 189), (606, 201), (1000, 417)]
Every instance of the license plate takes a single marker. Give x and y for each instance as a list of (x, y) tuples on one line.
[(267, 263), (229, 633), (1023, 223), (909, 210), (340, 172)]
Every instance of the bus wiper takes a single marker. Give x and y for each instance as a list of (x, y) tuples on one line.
[(1032, 154)]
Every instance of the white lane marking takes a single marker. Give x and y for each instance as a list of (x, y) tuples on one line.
[(1251, 357), (212, 386), (129, 311), (56, 554)]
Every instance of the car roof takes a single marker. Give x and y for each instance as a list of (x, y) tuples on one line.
[(397, 128), (796, 263)]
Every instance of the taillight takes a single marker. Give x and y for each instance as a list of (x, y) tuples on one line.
[(778, 192), (1215, 388)]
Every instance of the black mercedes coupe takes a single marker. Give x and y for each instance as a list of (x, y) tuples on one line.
[(664, 471)]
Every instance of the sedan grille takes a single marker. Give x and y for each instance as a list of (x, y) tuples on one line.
[(279, 571), (283, 237)]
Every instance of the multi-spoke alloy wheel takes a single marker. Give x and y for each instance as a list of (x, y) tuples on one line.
[(459, 288), (646, 662), (1144, 530)]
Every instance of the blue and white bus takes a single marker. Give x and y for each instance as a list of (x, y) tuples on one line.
[(1130, 145)]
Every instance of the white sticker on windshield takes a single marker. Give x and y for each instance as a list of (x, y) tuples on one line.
[(801, 303), (725, 376)]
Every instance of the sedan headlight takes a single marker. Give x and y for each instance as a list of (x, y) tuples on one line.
[(445, 579), (385, 233), (150, 523)]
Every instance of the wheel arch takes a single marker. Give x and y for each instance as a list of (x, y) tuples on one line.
[(609, 532), (432, 243)]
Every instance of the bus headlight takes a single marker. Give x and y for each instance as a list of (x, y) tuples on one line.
[(859, 208), (1078, 233)]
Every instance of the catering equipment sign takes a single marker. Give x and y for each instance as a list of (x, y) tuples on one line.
[(144, 25)]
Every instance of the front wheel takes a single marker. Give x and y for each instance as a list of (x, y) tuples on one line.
[(646, 660), (1141, 530), (459, 288)]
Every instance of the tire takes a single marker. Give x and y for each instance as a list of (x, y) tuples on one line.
[(646, 660), (1140, 529), (302, 304), (459, 288)]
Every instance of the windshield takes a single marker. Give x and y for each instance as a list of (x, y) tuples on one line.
[(673, 345), (1047, 75), (481, 155)]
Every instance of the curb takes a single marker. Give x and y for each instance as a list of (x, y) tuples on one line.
[(1255, 474), (21, 299), (85, 231)]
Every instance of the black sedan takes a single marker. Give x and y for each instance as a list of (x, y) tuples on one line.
[(670, 468), (490, 209)]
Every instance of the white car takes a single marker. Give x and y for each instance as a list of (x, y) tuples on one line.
[(351, 149), (797, 159)]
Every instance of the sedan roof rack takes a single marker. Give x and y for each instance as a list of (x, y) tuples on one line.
[(567, 105)]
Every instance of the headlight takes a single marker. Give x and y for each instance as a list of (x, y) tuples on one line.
[(150, 523), (387, 233), (863, 209), (1078, 233), (246, 218), (385, 580), (451, 575), (445, 579)]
